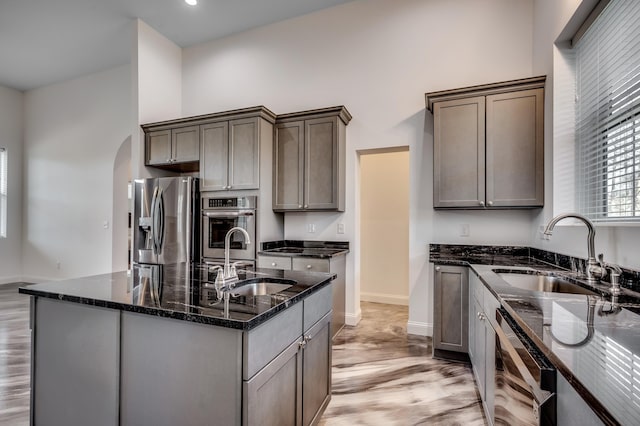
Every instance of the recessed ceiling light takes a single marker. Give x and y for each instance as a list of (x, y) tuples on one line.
[(191, 2)]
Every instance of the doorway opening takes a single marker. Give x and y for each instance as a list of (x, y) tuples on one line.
[(384, 226)]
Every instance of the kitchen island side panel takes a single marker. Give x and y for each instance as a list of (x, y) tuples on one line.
[(76, 364), (177, 372)]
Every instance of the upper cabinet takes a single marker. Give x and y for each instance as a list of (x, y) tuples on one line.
[(309, 160), (224, 147), (173, 148), (489, 145)]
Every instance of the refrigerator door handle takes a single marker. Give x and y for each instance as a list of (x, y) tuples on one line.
[(160, 212), (154, 220)]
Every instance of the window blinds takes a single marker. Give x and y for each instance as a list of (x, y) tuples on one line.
[(608, 115), (3, 192)]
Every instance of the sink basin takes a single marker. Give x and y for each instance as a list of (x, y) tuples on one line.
[(261, 287), (527, 280)]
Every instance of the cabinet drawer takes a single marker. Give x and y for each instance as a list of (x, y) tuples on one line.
[(274, 262), (316, 306), (310, 264)]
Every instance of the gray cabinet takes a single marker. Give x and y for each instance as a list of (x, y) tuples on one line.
[(224, 147), (489, 145), (230, 157), (482, 342), (295, 387), (173, 146), (309, 160), (450, 317), (336, 265)]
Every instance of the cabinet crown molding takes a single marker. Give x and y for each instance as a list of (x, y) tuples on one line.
[(234, 114), (484, 89), (340, 111)]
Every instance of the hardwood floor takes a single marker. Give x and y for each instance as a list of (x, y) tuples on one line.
[(15, 355), (382, 376)]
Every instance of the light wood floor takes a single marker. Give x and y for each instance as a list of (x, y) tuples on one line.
[(381, 376), (15, 355)]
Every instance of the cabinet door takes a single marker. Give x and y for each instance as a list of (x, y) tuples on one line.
[(451, 309), (458, 153), (479, 365), (185, 144), (321, 164), (288, 157), (273, 396), (244, 154), (158, 147), (214, 156), (316, 370), (515, 149)]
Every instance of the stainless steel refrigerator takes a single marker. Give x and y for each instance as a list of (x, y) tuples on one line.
[(166, 220)]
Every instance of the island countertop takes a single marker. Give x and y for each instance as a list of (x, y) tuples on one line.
[(183, 292)]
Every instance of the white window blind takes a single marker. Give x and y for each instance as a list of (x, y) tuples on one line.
[(608, 115), (3, 192)]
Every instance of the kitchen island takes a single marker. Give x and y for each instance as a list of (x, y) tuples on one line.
[(591, 338), (158, 345)]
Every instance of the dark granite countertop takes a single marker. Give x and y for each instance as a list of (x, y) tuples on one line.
[(593, 340), (297, 248), (183, 292)]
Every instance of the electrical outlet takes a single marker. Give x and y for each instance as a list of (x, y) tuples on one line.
[(105, 224), (311, 228), (464, 230), (341, 228)]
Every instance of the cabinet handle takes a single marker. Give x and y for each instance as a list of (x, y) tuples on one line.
[(307, 338), (308, 266), (482, 203), (438, 268), (299, 206), (302, 344), (306, 206), (490, 203), (273, 263)]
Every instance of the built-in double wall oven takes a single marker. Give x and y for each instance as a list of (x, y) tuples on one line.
[(219, 215)]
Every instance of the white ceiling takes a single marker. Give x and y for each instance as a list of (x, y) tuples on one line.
[(47, 41)]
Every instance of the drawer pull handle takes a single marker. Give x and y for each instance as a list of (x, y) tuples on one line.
[(273, 263), (308, 266), (438, 268)]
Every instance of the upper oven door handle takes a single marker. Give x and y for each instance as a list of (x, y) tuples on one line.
[(240, 213)]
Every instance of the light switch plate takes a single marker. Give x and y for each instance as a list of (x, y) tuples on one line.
[(311, 228), (341, 228)]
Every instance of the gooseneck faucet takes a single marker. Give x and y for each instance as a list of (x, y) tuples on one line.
[(228, 275), (594, 270)]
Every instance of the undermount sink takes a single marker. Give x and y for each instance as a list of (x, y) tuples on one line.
[(261, 287), (530, 280)]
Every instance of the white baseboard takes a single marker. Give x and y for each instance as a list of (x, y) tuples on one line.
[(391, 299), (353, 319), (419, 328), (9, 280)]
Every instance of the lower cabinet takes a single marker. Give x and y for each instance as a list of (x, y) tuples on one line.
[(450, 313), (335, 265), (295, 387), (482, 341)]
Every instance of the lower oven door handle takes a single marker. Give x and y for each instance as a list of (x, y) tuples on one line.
[(229, 214), (541, 396)]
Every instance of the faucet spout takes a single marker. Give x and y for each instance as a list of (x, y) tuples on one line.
[(229, 274), (594, 270)]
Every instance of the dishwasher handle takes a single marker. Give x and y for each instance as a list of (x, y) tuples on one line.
[(540, 395)]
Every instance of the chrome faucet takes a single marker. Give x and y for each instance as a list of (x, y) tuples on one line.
[(228, 275), (595, 270)]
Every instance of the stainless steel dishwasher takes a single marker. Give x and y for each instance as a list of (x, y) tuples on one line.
[(525, 381)]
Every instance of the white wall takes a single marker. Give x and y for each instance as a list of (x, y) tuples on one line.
[(619, 244), (73, 131), (156, 88), (378, 58), (384, 227), (11, 119)]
